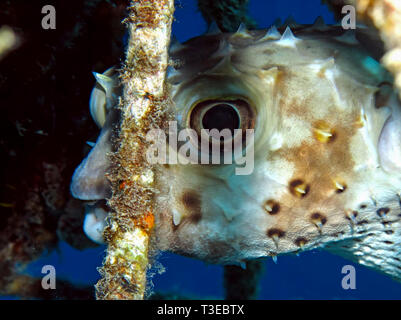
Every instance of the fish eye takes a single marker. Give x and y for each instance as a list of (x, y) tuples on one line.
[(222, 114)]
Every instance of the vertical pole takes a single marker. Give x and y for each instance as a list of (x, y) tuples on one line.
[(243, 284), (144, 103)]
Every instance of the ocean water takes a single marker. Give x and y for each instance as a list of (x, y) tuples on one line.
[(311, 275), (314, 274)]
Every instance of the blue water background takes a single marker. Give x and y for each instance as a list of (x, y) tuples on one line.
[(312, 275)]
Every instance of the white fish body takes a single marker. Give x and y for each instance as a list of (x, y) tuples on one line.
[(327, 150)]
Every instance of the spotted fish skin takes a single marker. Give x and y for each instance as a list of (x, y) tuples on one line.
[(318, 178), (327, 150)]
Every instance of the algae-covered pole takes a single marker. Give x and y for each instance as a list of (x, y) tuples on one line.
[(145, 99)]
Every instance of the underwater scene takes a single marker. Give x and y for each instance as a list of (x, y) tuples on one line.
[(200, 150)]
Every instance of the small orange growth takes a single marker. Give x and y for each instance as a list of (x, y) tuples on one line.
[(148, 96), (122, 185), (147, 221)]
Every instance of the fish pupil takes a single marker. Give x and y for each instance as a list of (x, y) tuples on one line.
[(221, 116)]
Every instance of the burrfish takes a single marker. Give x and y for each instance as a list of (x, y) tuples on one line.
[(325, 148)]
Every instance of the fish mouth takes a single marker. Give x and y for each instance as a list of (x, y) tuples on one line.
[(96, 214)]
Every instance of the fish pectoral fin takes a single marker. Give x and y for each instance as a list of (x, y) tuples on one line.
[(106, 82)]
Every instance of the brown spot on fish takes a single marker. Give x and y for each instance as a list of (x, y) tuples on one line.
[(318, 219), (351, 216), (272, 207), (381, 212), (299, 188), (301, 241), (340, 186), (362, 222), (191, 200), (275, 233), (191, 208), (323, 132)]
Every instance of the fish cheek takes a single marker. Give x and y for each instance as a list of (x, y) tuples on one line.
[(89, 181)]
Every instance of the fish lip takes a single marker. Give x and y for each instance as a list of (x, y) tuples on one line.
[(102, 203), (96, 219)]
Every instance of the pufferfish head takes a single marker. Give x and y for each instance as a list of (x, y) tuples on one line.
[(322, 160)]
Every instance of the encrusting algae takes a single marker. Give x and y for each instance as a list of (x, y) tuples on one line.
[(145, 100)]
